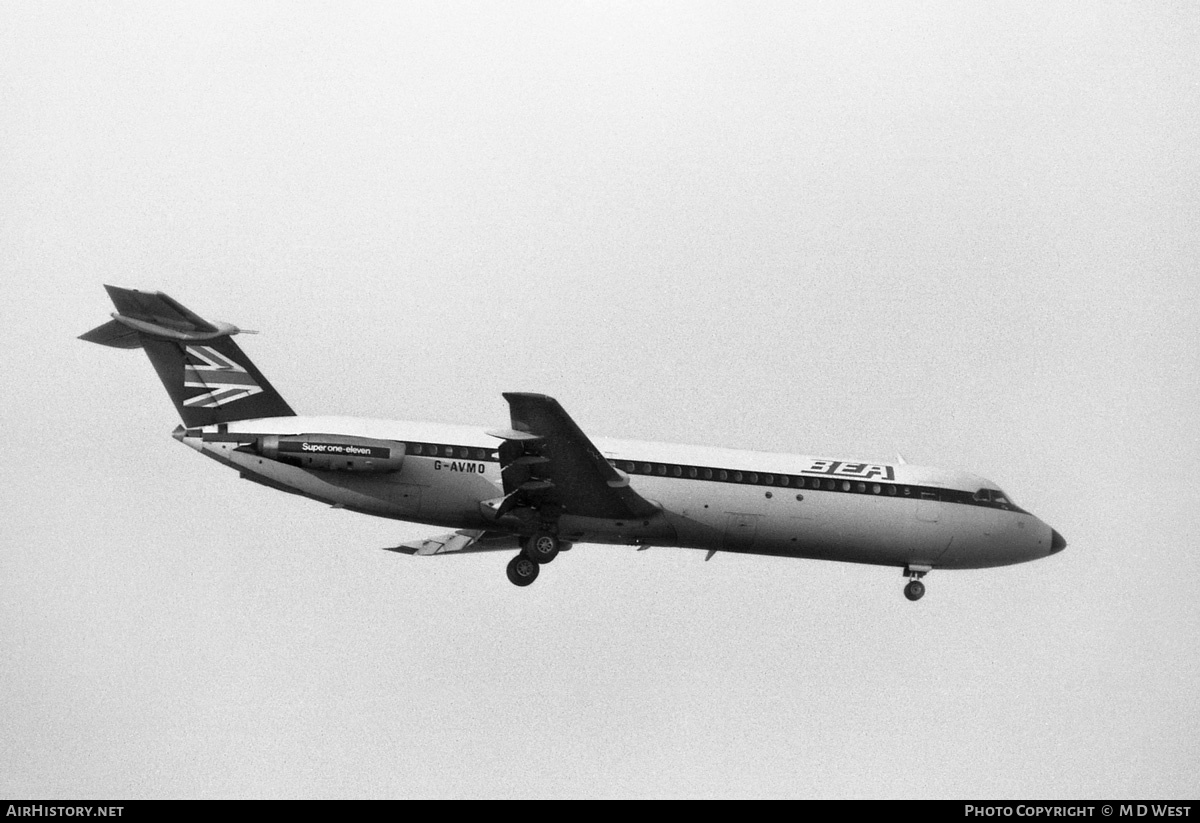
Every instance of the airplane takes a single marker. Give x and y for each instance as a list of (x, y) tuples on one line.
[(540, 485)]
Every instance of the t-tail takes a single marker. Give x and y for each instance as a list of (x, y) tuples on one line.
[(208, 376)]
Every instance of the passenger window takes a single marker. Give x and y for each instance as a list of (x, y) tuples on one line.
[(768, 479), (891, 490), (416, 449), (692, 472), (448, 451), (862, 488), (708, 474), (737, 477), (646, 468), (724, 475), (752, 478), (845, 485), (677, 471), (876, 489), (784, 480), (661, 469)]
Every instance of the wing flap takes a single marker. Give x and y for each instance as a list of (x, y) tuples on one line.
[(463, 541)]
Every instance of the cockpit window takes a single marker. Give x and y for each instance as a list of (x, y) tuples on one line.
[(993, 497)]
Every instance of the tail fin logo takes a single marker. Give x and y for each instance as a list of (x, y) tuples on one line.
[(224, 380)]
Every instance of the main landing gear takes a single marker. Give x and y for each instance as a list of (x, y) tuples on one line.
[(915, 589), (541, 547), (522, 571), (537, 550)]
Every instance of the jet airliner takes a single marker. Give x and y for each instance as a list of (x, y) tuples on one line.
[(540, 485)]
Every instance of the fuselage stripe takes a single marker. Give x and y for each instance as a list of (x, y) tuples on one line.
[(835, 476)]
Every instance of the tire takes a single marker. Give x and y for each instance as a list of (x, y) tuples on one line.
[(522, 571), (915, 590), (542, 547)]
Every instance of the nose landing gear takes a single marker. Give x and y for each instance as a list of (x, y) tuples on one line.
[(915, 589)]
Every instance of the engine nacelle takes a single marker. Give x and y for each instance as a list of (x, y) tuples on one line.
[(333, 452)]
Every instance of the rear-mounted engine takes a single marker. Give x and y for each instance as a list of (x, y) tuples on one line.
[(333, 452)]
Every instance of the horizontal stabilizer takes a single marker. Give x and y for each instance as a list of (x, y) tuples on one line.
[(159, 309), (115, 334)]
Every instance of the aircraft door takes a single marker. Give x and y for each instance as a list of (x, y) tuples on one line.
[(932, 531), (929, 508)]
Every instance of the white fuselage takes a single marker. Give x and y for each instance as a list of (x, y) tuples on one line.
[(710, 498)]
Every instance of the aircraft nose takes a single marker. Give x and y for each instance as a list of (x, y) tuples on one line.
[(1057, 542)]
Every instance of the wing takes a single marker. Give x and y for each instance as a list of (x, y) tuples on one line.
[(550, 465)]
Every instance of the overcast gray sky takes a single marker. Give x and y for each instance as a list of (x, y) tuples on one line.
[(967, 232)]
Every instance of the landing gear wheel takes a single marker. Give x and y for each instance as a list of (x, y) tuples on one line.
[(542, 547), (915, 590), (522, 571)]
